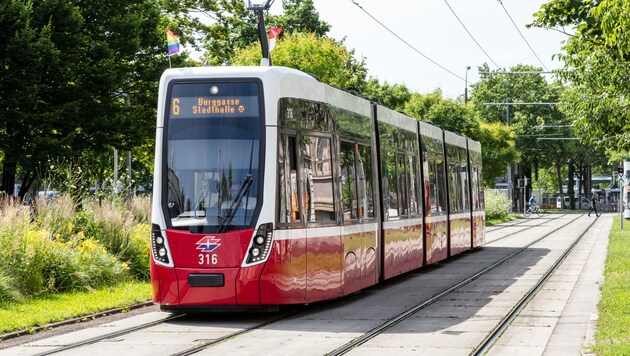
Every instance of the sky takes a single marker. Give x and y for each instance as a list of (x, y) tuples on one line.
[(432, 29)]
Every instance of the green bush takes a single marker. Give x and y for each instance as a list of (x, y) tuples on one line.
[(46, 253), (497, 205)]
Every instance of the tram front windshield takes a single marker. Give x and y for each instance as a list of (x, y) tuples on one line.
[(213, 156)]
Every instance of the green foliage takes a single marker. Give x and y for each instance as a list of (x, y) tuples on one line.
[(393, 96), (497, 149), (114, 227), (497, 205), (597, 59), (51, 308), (300, 16), (326, 59), (65, 66), (445, 113), (613, 336), (61, 250)]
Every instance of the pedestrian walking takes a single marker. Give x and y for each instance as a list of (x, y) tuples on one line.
[(593, 206)]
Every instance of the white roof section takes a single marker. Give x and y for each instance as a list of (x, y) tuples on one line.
[(454, 139), (278, 82), (428, 130), (397, 119), (474, 145)]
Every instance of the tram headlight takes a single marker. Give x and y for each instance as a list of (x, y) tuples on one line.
[(158, 244), (255, 252), (261, 244)]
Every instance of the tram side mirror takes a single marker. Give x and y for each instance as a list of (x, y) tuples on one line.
[(627, 176)]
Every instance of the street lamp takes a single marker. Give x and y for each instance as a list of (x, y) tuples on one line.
[(258, 6), (466, 87)]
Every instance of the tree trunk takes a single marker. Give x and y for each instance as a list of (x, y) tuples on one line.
[(27, 181), (559, 176), (8, 173), (571, 184)]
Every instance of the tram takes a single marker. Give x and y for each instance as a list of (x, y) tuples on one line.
[(272, 188)]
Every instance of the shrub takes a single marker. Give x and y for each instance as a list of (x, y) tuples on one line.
[(47, 256), (497, 205)]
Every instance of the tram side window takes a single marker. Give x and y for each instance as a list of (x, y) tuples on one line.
[(415, 206), (289, 206), (453, 179), (464, 179), (437, 190), (403, 183), (317, 179), (365, 182), (390, 186), (475, 187), (348, 181)]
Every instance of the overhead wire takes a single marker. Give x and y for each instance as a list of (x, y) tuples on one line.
[(520, 33), (405, 42), (471, 36)]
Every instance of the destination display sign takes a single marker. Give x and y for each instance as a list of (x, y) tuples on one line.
[(213, 107)]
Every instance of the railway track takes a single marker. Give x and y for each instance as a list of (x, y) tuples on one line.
[(534, 223), (380, 329), (496, 332), (204, 346)]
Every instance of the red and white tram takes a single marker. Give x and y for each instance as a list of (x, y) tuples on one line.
[(273, 188)]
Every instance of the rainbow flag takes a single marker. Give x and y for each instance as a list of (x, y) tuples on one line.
[(173, 42)]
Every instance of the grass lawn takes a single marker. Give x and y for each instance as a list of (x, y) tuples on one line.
[(58, 307), (490, 222), (613, 326)]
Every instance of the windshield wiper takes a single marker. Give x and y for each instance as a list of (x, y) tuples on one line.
[(236, 203)]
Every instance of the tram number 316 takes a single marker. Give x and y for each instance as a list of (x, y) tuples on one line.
[(206, 259)]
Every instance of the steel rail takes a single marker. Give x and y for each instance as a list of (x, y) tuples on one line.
[(109, 335), (519, 231), (23, 332), (343, 349), (487, 342), (205, 345)]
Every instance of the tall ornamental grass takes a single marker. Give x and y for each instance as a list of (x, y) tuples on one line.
[(50, 247), (113, 224)]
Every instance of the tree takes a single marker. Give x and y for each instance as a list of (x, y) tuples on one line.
[(393, 96), (86, 59), (445, 113), (300, 16), (328, 60), (497, 149), (533, 124), (597, 65), (223, 26)]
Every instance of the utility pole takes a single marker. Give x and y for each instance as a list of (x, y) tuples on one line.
[(466, 87), (507, 122)]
